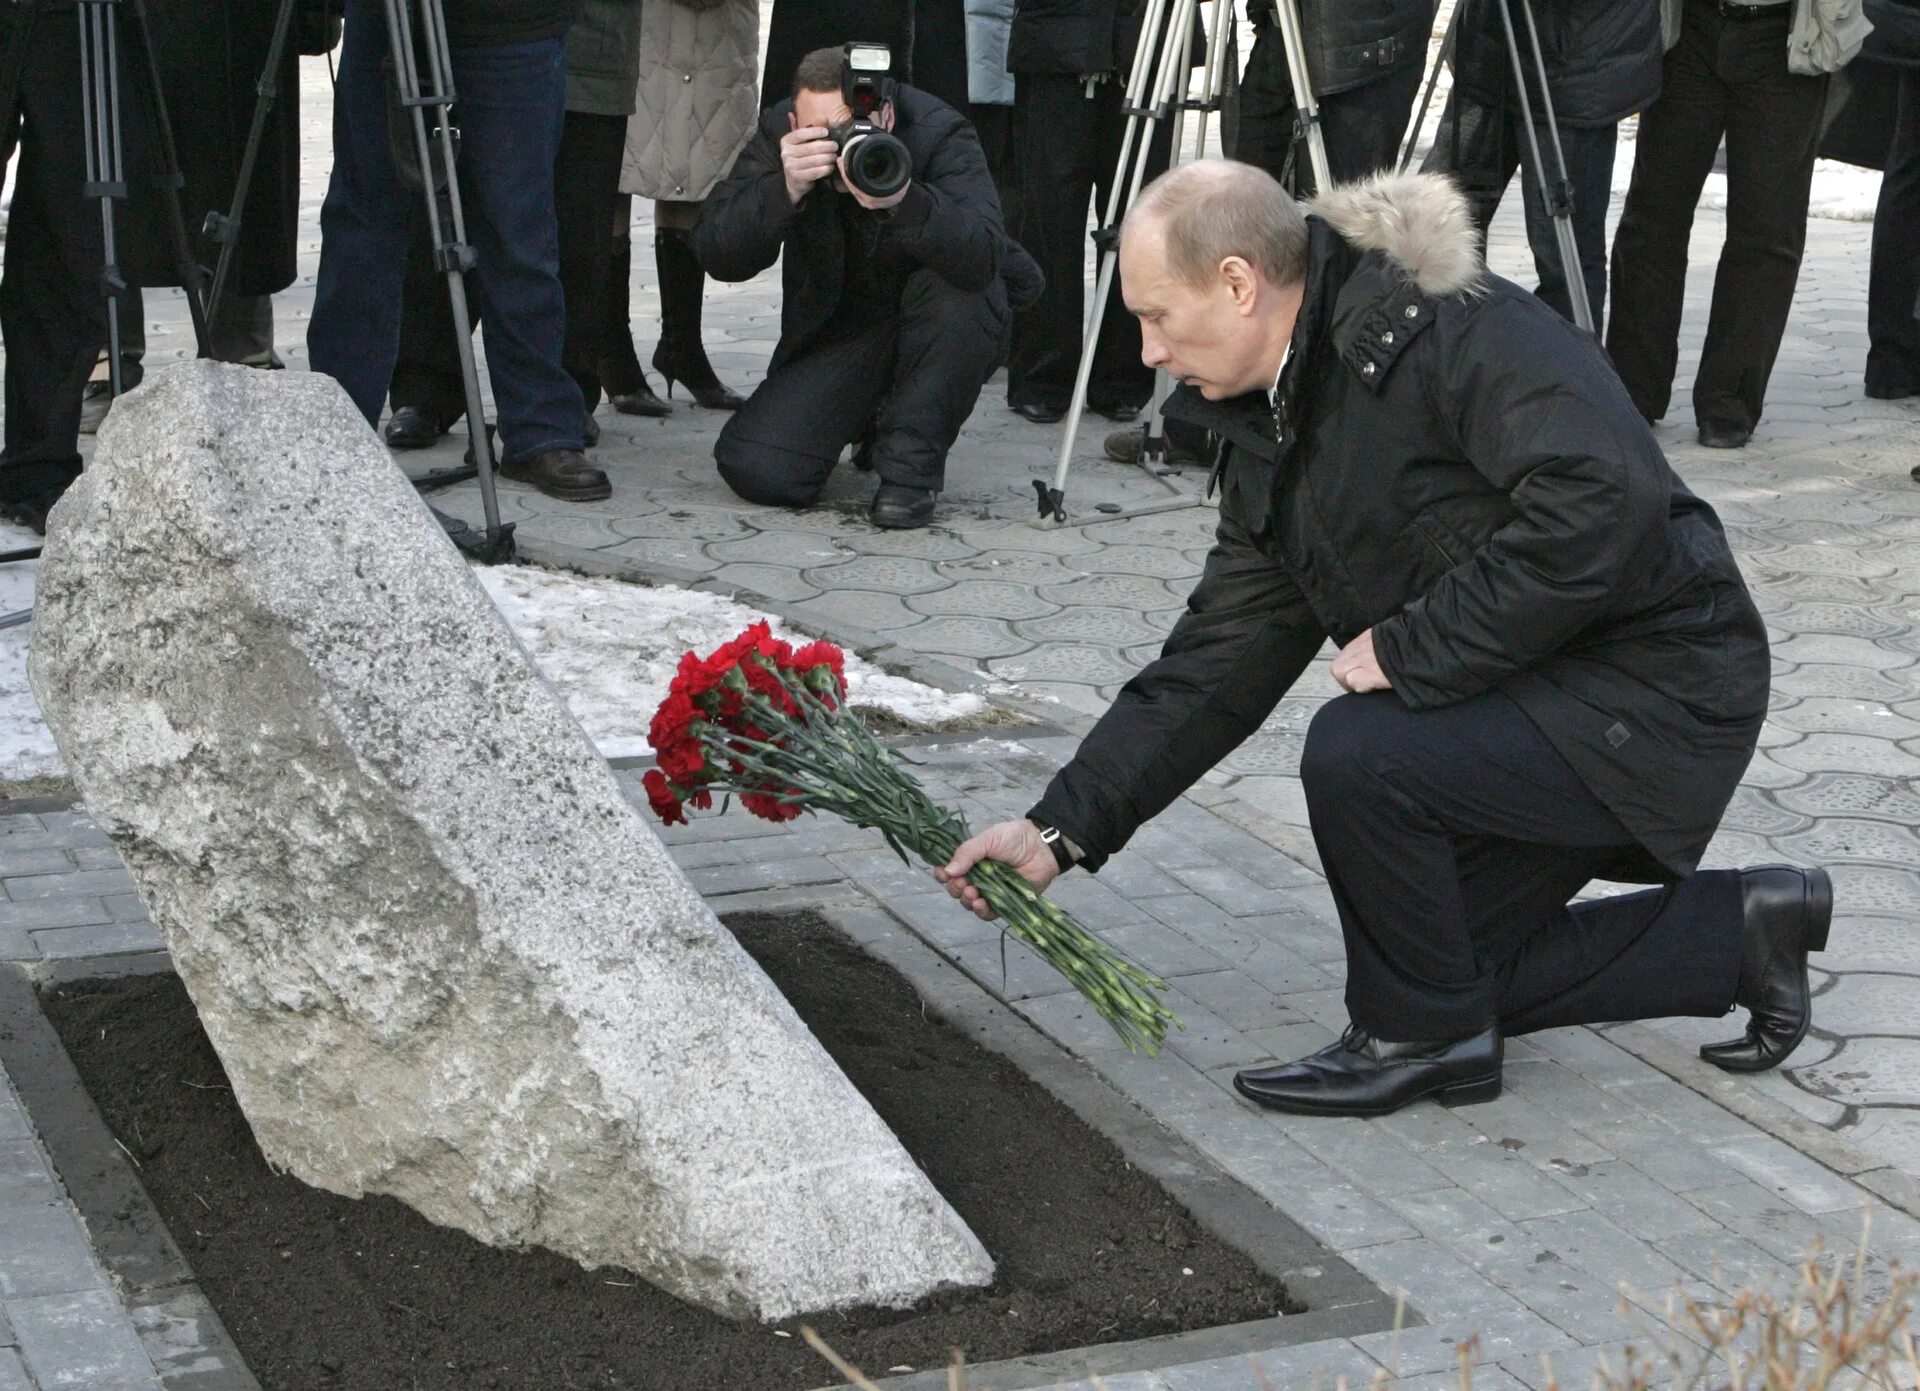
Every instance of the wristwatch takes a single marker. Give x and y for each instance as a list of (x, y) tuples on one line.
[(1065, 853)]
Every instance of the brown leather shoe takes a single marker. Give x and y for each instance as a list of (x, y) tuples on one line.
[(561, 473)]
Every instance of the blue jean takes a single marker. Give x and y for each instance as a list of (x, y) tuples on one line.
[(512, 101)]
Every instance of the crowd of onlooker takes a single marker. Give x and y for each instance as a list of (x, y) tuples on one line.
[(900, 304)]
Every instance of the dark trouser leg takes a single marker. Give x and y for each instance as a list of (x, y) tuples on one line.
[(51, 312), (950, 342), (779, 448), (1452, 839), (512, 107), (426, 371), (1589, 154), (1893, 284), (587, 188), (1679, 135), (1478, 147), (364, 225), (1773, 134), (242, 332), (1362, 126)]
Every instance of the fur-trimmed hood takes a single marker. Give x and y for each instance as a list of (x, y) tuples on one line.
[(1418, 221)]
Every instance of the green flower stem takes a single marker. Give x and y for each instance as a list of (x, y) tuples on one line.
[(823, 760)]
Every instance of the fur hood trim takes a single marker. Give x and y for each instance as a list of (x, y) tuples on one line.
[(1419, 221)]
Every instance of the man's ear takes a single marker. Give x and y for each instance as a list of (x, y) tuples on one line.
[(793, 120), (1242, 283)]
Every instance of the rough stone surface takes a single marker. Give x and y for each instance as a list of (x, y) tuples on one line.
[(440, 955)]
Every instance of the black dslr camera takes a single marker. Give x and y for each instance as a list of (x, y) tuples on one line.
[(877, 163)]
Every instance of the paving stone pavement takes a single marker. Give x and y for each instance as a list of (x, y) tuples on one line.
[(1516, 1220)]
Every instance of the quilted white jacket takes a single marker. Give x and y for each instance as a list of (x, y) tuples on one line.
[(698, 99)]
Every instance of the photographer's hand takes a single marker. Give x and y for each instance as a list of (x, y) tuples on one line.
[(807, 155)]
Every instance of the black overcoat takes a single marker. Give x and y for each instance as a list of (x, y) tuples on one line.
[(211, 54), (1602, 57), (1453, 465), (950, 221), (798, 27)]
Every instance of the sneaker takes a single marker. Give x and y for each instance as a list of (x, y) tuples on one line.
[(95, 402), (1130, 446)]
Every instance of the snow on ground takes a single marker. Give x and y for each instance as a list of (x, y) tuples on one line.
[(609, 647)]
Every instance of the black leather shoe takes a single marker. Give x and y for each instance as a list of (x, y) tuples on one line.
[(413, 427), (1041, 412), (1717, 434), (1365, 1076), (1788, 912), (561, 473), (898, 507), (1119, 412)]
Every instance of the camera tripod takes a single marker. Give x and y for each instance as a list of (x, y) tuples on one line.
[(102, 108), (423, 75)]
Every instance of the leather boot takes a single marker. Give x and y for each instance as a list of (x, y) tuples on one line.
[(1365, 1076), (1788, 911), (680, 357), (621, 376), (561, 473), (901, 507)]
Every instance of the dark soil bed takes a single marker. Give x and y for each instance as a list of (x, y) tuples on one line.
[(321, 1291)]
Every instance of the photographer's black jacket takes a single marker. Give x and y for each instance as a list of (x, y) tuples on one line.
[(948, 223), (1456, 467)]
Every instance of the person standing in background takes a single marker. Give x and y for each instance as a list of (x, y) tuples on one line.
[(694, 111), (1893, 285), (1602, 63), (1754, 72)]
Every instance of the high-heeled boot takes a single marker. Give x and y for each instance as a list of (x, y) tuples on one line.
[(680, 356), (621, 376)]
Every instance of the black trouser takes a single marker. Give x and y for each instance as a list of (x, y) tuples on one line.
[(586, 187), (1068, 148), (52, 314), (1727, 77), (1362, 126), (1453, 839), (907, 382), (1893, 284), (1481, 146)]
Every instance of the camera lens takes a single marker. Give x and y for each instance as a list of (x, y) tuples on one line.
[(878, 164)]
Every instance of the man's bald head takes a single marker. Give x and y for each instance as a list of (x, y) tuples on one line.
[(1212, 209)]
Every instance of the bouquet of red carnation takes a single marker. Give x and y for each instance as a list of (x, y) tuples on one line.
[(767, 722)]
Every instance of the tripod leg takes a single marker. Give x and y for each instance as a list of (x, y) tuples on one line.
[(1556, 193), (226, 230), (170, 182), (106, 178)]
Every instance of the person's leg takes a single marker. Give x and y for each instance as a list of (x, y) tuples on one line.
[(779, 448), (1058, 133), (1478, 147), (681, 355), (1893, 282), (512, 105), (1589, 154), (950, 341), (1679, 136), (1263, 130), (587, 185), (1773, 135), (1363, 126), (354, 335), (242, 332), (1445, 934), (1120, 382), (426, 368)]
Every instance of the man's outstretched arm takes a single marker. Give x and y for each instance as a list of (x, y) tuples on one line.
[(1245, 638)]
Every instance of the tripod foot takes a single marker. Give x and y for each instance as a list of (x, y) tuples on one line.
[(1053, 502), (487, 547)]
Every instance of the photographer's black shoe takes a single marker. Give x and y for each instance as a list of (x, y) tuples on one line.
[(1041, 412), (1119, 412), (413, 427), (561, 473), (1718, 434), (1788, 912), (898, 507), (1365, 1076)]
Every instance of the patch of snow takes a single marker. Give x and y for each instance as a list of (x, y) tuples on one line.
[(609, 647)]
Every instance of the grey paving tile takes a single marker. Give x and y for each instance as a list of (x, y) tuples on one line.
[(13, 1372), (1365, 1155), (54, 912), (1242, 1001), (25, 1178), (105, 939), (1495, 1337), (1433, 1281), (1808, 1185), (1307, 1367), (45, 1252), (81, 883), (1507, 1182), (1632, 1200), (80, 1342)]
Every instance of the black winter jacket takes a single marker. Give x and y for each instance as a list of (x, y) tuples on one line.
[(1603, 57), (1081, 38), (492, 23), (1454, 466), (949, 222), (1353, 42)]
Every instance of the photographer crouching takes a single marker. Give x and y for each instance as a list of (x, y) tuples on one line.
[(899, 284)]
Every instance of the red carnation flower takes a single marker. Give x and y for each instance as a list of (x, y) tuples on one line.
[(771, 808), (660, 796)]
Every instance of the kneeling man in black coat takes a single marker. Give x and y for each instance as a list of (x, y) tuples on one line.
[(1555, 673), (896, 310)]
